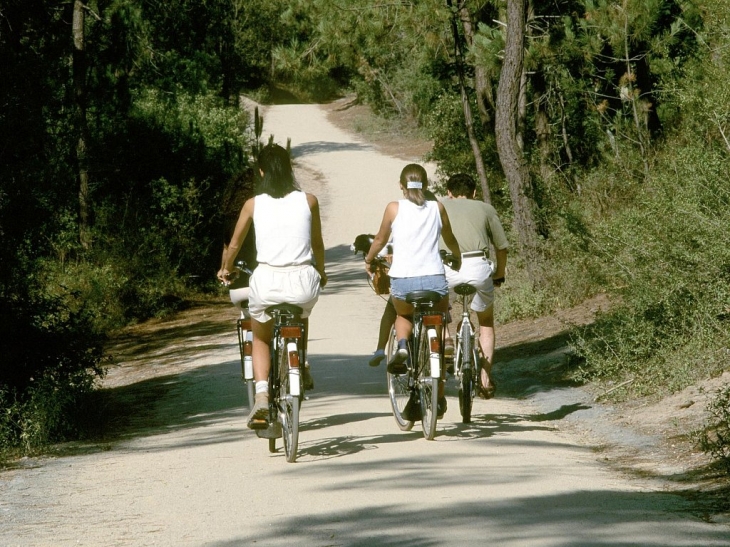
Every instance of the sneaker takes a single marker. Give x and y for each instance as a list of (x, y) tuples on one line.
[(307, 380), (441, 407), (398, 364), (377, 358), (259, 416)]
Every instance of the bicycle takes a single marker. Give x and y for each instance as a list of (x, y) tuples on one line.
[(466, 356), (286, 385), (467, 351), (414, 394)]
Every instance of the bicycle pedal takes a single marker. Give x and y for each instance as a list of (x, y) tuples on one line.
[(258, 424), (273, 431)]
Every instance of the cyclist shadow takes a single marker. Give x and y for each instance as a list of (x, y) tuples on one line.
[(336, 447), (341, 419), (489, 425)]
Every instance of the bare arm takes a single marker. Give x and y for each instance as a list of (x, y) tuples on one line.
[(317, 241), (448, 235), (501, 265), (383, 236), (239, 234)]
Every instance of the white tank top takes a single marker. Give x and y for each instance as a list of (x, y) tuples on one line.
[(416, 232), (283, 229)]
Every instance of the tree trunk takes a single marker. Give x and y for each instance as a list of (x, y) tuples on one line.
[(510, 153), (482, 83), (82, 128), (468, 118)]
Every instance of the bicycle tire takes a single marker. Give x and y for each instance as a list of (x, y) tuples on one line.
[(288, 408), (466, 396), (427, 387), (250, 389), (466, 391), (399, 390)]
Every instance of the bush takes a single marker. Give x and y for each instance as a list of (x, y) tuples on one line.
[(51, 356), (715, 439), (669, 254)]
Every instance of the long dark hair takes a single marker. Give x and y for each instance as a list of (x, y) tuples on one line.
[(278, 177), (414, 173)]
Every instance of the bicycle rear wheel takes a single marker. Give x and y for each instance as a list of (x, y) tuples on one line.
[(288, 408), (427, 388), (399, 390), (466, 388)]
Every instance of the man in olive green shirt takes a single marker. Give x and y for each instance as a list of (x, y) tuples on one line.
[(475, 225)]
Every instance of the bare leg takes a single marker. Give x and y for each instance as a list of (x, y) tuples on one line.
[(260, 349), (487, 341), (259, 415), (386, 322)]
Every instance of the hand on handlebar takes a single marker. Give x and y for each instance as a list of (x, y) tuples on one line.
[(450, 260), (226, 277)]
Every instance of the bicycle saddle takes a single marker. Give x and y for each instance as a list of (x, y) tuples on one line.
[(423, 297), (464, 289), (290, 309)]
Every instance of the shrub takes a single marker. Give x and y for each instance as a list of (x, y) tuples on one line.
[(715, 438), (669, 253), (51, 355)]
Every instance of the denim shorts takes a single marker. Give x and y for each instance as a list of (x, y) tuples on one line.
[(401, 286)]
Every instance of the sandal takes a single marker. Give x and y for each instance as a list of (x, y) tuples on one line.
[(488, 391)]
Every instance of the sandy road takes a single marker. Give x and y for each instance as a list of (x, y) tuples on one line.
[(199, 477)]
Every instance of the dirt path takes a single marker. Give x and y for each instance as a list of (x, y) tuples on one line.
[(185, 470)]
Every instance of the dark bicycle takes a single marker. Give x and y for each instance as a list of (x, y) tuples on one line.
[(414, 394), (466, 358), (286, 385)]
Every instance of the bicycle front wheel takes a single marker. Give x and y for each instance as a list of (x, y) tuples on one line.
[(427, 389), (288, 409)]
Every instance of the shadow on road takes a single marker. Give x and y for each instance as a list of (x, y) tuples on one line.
[(574, 519)]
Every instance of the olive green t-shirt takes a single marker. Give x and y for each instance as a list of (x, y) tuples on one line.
[(474, 224)]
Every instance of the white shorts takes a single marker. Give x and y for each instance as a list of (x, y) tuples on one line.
[(477, 271), (239, 298), (270, 285)]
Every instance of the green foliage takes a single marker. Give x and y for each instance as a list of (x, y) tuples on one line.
[(451, 148), (715, 438), (50, 357), (163, 142), (671, 261)]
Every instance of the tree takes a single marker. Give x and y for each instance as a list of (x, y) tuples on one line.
[(82, 126), (511, 154), (459, 60)]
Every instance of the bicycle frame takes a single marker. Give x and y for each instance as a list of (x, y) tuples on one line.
[(245, 346), (419, 385), (286, 390), (466, 359)]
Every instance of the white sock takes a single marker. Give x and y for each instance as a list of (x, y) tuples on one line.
[(262, 386)]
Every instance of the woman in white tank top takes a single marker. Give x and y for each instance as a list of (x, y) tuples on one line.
[(290, 256), (415, 225)]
